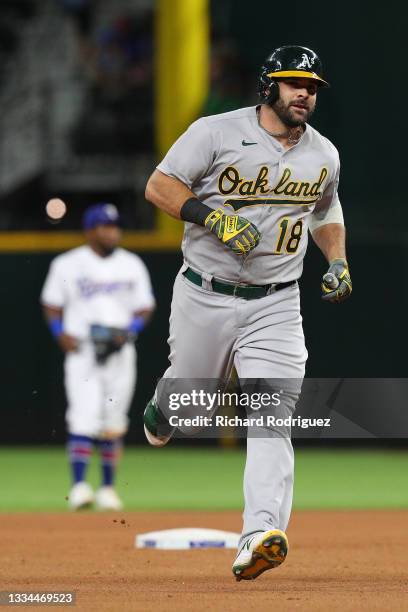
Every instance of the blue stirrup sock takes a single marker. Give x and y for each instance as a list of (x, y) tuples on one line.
[(79, 452), (110, 452)]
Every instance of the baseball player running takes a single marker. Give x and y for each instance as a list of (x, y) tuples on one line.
[(96, 299), (249, 184)]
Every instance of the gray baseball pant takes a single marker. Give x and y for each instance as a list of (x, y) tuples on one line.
[(263, 338)]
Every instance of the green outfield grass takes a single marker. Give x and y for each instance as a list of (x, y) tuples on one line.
[(36, 479)]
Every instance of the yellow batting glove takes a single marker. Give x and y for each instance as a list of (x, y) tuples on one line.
[(337, 285), (234, 231)]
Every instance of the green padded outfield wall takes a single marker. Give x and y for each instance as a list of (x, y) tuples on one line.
[(361, 337)]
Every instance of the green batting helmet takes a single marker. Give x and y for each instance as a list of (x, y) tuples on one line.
[(288, 62)]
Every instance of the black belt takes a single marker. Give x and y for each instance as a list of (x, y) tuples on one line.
[(248, 292)]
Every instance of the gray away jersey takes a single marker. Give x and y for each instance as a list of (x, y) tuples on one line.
[(230, 162)]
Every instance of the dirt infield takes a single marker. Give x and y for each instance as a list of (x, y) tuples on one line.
[(337, 561)]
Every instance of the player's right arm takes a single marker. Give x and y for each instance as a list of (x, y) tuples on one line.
[(167, 193), (53, 317), (53, 298), (170, 189)]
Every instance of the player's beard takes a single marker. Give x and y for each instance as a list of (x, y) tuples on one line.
[(107, 250), (103, 249), (287, 115)]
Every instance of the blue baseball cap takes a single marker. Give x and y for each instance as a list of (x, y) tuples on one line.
[(100, 214)]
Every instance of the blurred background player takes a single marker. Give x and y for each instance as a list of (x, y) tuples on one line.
[(96, 299)]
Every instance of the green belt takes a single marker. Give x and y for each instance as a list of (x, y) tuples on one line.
[(248, 292)]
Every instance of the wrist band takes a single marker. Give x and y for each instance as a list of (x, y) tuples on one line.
[(194, 211), (56, 327), (137, 324)]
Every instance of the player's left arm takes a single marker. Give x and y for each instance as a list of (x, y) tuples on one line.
[(145, 314), (329, 233), (143, 299), (141, 318), (331, 240), (336, 285)]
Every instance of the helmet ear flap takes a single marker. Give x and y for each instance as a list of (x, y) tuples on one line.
[(273, 92), (268, 90)]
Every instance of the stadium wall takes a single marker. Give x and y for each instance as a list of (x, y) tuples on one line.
[(360, 338)]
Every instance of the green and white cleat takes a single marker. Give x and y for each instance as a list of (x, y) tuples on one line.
[(261, 552), (157, 429)]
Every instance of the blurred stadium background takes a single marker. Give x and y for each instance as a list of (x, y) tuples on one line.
[(92, 92)]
